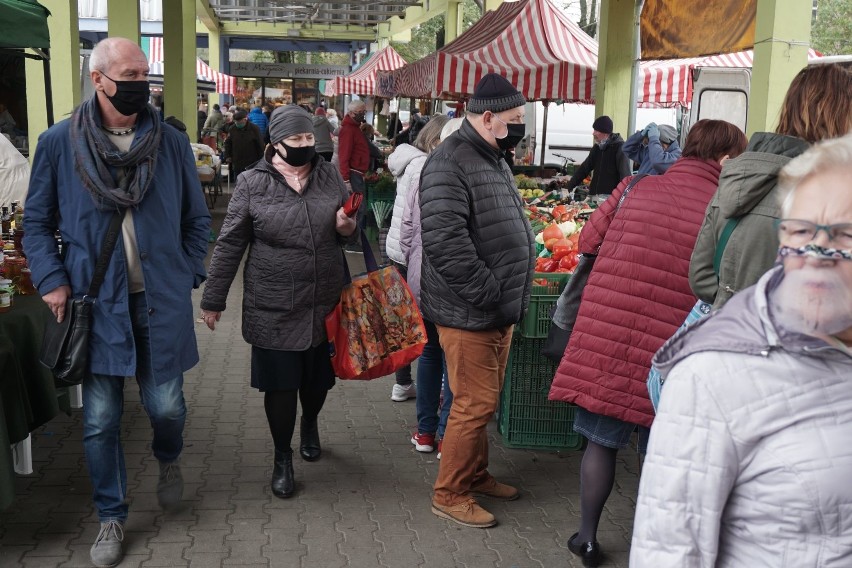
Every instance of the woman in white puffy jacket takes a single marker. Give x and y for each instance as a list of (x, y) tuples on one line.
[(405, 163)]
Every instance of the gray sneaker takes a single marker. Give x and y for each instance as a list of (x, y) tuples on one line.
[(107, 550), (170, 485)]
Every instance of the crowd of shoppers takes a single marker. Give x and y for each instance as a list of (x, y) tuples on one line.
[(744, 465)]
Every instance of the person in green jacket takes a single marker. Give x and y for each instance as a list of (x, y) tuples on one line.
[(818, 105)]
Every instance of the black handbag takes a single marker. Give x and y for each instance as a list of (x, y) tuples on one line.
[(568, 304), (65, 346)]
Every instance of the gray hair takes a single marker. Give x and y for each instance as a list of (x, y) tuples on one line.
[(430, 135), (832, 154), (356, 105), (104, 53)]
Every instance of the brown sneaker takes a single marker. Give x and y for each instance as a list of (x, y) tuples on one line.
[(467, 513), (496, 490)]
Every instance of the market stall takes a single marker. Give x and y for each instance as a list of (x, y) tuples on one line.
[(223, 84), (669, 82), (362, 81), (557, 61)]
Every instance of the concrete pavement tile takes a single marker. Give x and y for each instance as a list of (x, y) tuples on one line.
[(53, 544), (219, 482), (11, 554), (249, 510), (248, 531), (210, 540), (514, 555), (399, 551), (214, 500), (28, 562), (206, 559), (166, 554)]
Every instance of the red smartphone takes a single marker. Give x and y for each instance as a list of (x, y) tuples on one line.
[(353, 203)]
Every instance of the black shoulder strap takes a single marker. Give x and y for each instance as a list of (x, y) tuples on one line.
[(106, 253)]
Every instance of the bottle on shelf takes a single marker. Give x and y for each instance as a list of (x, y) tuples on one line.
[(5, 220)]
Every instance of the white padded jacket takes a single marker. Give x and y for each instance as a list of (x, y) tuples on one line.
[(405, 163)]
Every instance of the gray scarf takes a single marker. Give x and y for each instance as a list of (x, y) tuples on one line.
[(96, 158)]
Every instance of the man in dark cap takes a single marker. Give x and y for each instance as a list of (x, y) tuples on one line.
[(244, 145), (654, 148), (478, 258), (606, 160)]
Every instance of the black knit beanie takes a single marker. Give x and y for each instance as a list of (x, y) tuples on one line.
[(603, 124), (494, 93)]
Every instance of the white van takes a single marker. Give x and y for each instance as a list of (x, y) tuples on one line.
[(569, 130), (724, 93)]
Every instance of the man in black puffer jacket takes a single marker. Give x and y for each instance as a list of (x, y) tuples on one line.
[(478, 259), (607, 160)]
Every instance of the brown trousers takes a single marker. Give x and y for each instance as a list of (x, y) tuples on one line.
[(476, 366)]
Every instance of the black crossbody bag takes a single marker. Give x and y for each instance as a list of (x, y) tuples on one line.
[(65, 346)]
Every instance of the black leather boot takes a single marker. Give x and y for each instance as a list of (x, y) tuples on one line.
[(310, 448), (283, 485)]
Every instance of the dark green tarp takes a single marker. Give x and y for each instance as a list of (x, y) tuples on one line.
[(23, 23)]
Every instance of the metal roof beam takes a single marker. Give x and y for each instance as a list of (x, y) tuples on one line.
[(206, 14), (267, 29), (414, 16)]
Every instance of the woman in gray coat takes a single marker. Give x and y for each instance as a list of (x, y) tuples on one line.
[(287, 210)]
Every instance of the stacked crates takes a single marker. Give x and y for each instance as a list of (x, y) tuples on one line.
[(526, 418)]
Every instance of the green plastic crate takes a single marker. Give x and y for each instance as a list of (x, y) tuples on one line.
[(525, 418), (374, 194), (537, 320)]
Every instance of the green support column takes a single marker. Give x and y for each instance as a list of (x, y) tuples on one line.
[(615, 60), (781, 42), (64, 70), (124, 19), (490, 5), (213, 50), (453, 21), (179, 80)]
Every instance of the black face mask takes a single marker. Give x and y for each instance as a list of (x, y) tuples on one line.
[(130, 97), (297, 155), (360, 117), (513, 138)]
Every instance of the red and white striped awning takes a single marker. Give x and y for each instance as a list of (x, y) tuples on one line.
[(531, 43), (225, 84), (669, 82), (362, 81)]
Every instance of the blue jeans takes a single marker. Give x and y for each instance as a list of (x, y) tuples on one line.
[(431, 370), (103, 405)]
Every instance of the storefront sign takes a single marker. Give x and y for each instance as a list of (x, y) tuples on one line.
[(286, 70)]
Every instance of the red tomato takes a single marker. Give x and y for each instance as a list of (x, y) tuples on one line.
[(552, 231)]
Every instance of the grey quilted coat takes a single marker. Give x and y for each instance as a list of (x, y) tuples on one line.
[(478, 248), (293, 273), (749, 463)]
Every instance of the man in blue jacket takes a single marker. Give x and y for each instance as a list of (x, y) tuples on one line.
[(114, 154), (654, 148), (259, 119)]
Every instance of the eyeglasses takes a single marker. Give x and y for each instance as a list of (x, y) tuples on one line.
[(797, 232)]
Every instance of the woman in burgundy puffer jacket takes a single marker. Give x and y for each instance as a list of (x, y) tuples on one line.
[(636, 298)]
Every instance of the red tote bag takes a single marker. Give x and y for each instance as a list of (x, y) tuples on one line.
[(376, 328)]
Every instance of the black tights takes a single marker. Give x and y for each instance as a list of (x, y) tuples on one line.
[(281, 412), (597, 476)]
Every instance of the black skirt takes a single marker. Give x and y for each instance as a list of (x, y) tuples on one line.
[(273, 370)]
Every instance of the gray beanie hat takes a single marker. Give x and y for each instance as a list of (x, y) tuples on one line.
[(288, 120), (668, 134), (494, 93)]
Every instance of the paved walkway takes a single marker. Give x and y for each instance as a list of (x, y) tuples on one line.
[(365, 504)]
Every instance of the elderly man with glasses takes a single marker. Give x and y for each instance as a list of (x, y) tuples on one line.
[(749, 461)]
